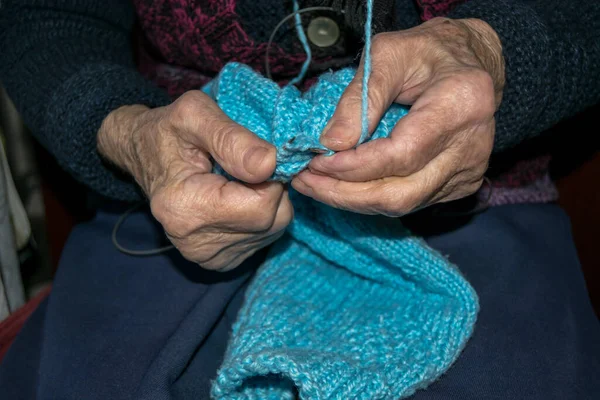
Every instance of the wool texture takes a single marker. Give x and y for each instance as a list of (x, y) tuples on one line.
[(346, 306)]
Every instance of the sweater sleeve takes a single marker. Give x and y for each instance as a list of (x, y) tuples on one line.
[(66, 64), (552, 54)]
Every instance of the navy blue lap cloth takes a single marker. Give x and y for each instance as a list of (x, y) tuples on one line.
[(122, 327)]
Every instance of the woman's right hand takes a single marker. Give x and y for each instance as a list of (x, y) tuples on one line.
[(212, 221)]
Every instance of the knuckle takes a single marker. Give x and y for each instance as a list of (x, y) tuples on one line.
[(476, 150), (486, 142), (187, 106), (252, 213), (404, 208), (427, 42), (263, 217), (484, 88), (165, 127), (224, 140), (381, 44), (287, 217), (219, 210), (476, 90), (474, 187), (262, 221), (453, 165), (407, 153), (459, 191), (385, 165), (388, 202), (172, 215), (481, 169), (159, 208)]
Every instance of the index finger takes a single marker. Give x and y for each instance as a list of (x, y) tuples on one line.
[(415, 140), (388, 196), (385, 83)]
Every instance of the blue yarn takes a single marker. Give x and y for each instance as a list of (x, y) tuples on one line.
[(346, 306), (366, 74), (305, 45), (287, 118)]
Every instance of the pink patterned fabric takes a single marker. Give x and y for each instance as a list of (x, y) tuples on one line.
[(205, 35), (436, 8), (194, 39)]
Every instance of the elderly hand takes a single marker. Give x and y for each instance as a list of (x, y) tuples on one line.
[(452, 73), (212, 221)]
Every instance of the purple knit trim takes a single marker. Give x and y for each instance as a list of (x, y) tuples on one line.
[(524, 172), (542, 190)]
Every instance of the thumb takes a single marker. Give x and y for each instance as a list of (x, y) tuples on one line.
[(240, 152), (343, 131)]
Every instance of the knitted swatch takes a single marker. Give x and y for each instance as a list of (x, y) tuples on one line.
[(346, 306)]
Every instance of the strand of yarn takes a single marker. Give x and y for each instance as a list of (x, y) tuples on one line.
[(305, 45), (366, 73), (366, 62)]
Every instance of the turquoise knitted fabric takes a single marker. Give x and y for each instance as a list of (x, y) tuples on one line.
[(284, 117), (346, 306)]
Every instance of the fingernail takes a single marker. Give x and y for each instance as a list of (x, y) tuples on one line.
[(334, 135), (314, 171), (254, 158), (326, 135)]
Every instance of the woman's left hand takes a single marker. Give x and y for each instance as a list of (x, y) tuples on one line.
[(452, 73)]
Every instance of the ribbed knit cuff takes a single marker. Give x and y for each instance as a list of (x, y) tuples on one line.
[(528, 59)]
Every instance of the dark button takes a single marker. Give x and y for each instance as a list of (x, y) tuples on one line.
[(323, 32)]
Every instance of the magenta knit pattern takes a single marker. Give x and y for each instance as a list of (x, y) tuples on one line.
[(436, 8), (196, 38)]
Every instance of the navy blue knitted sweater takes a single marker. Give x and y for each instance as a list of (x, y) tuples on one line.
[(67, 63)]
